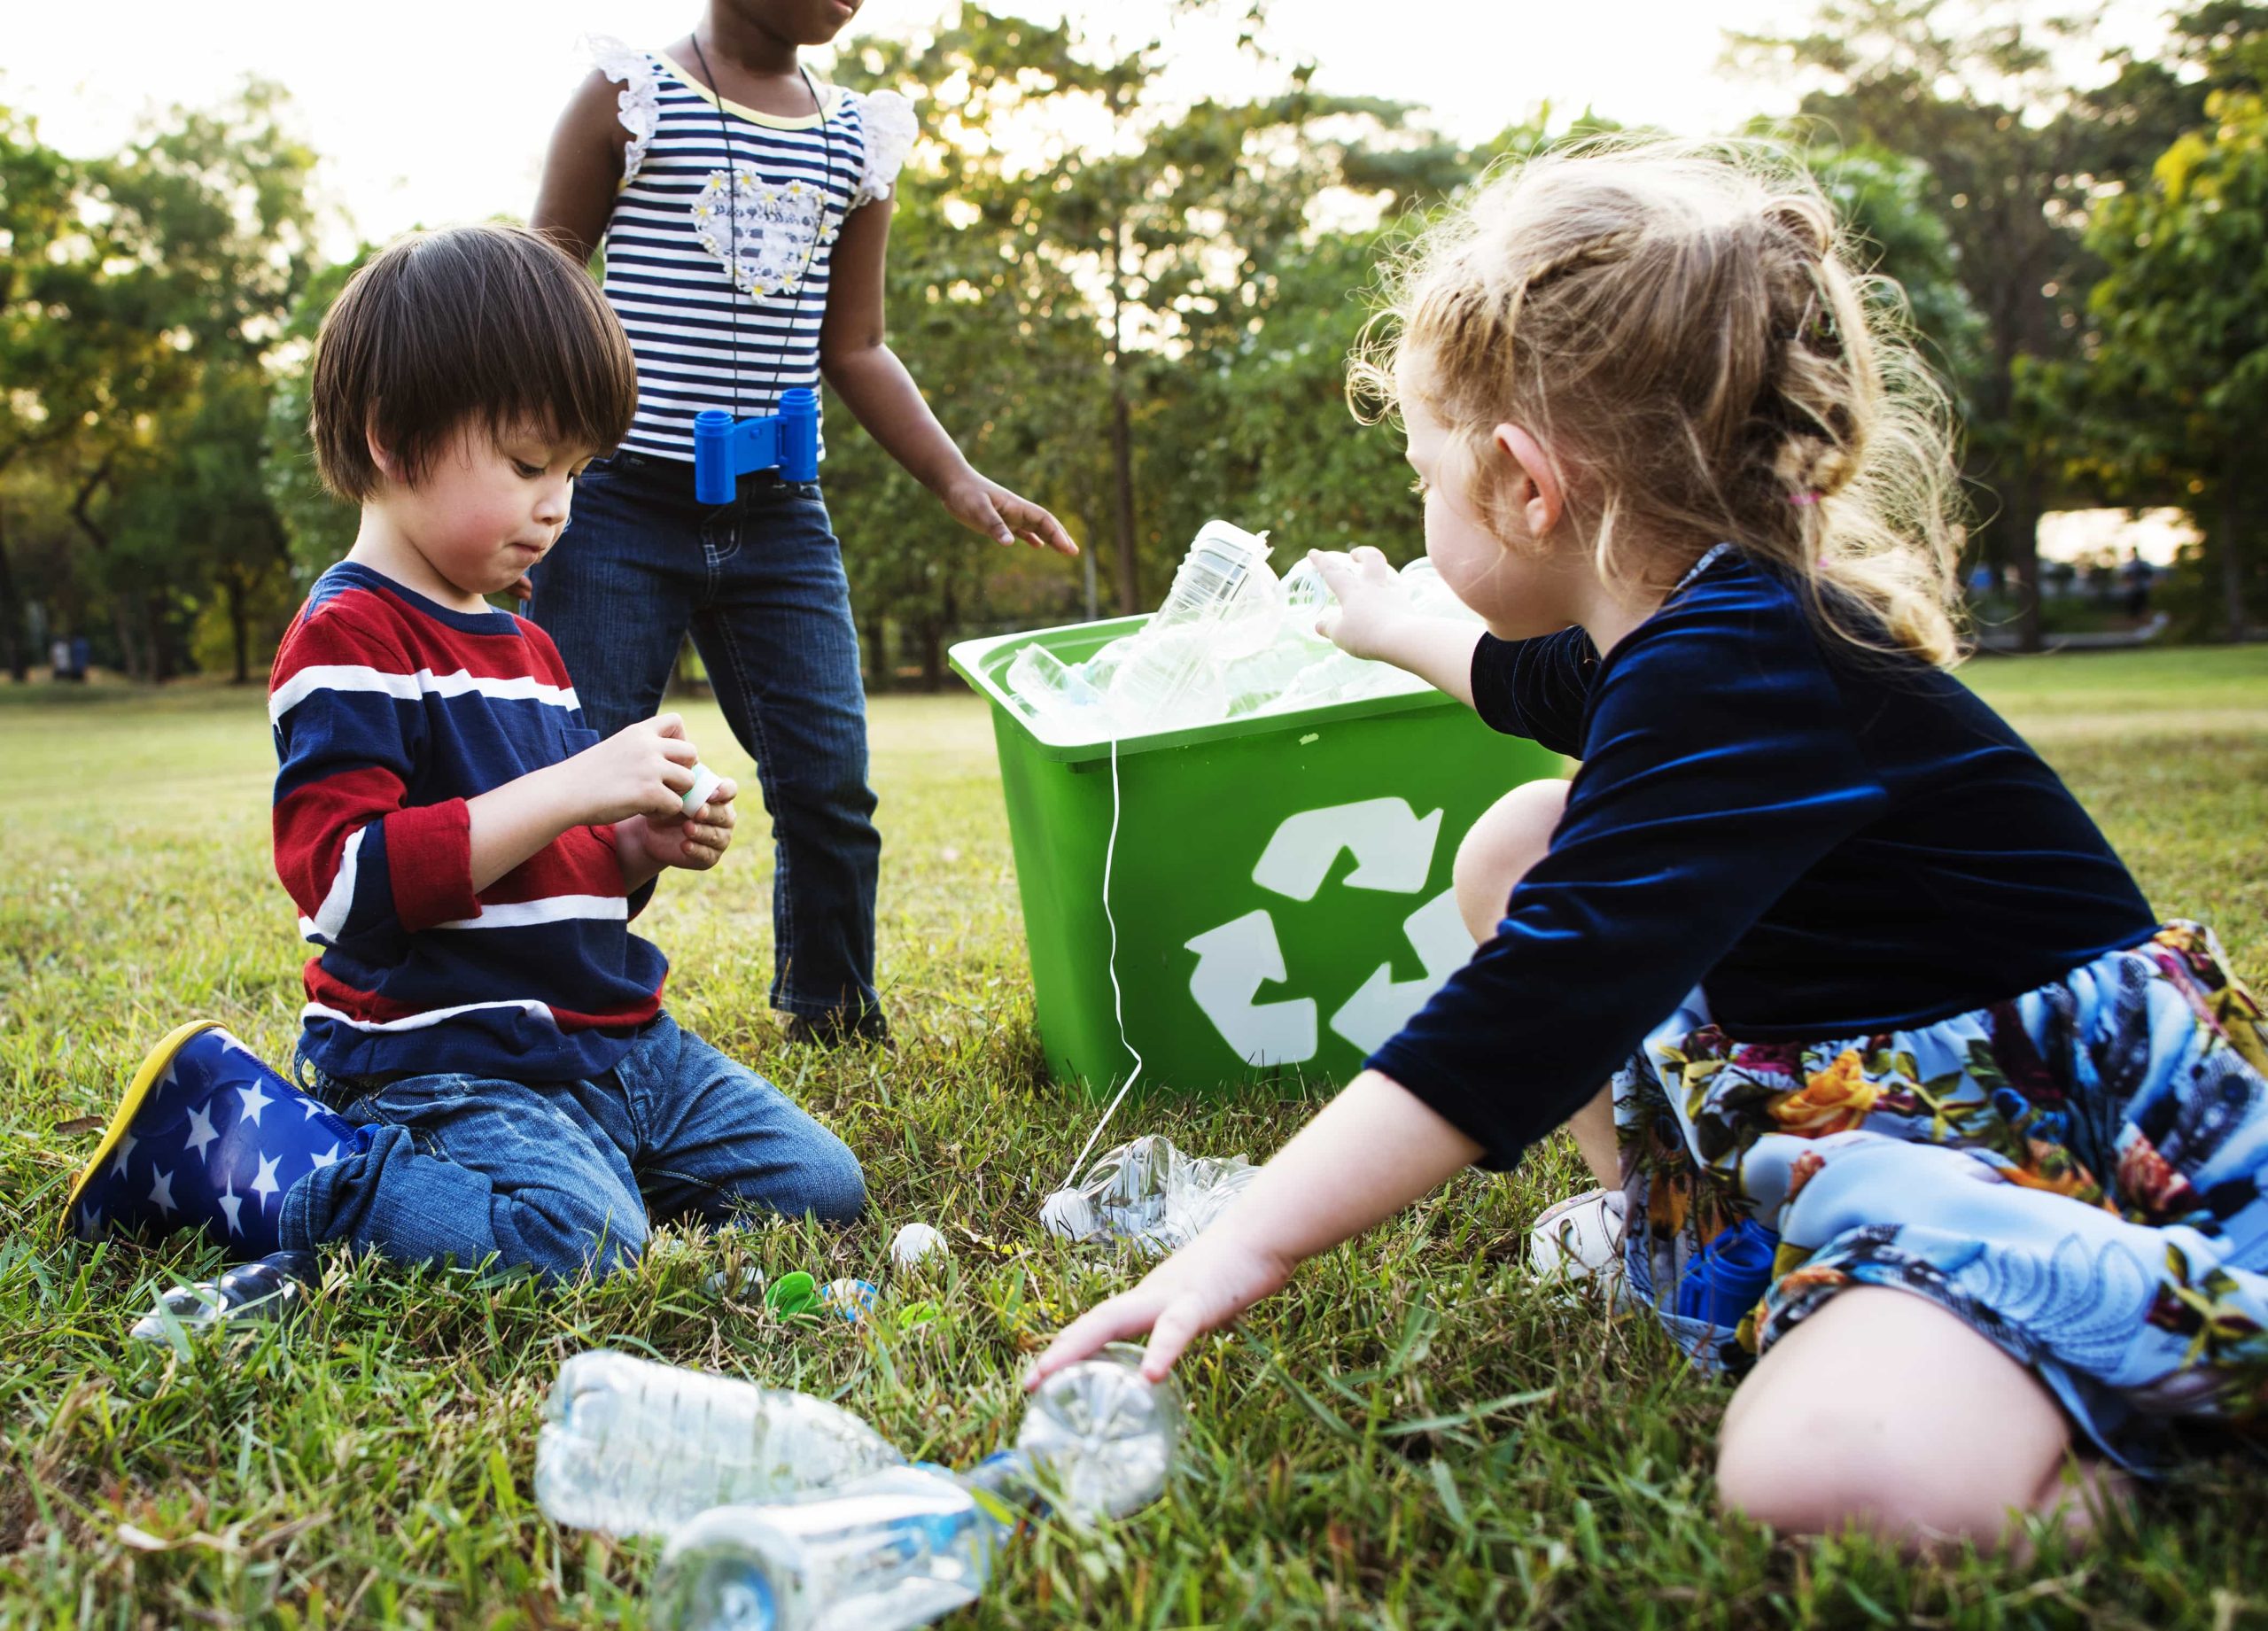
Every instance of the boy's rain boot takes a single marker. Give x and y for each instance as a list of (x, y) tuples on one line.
[(207, 1137)]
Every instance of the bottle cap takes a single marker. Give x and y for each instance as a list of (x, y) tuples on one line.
[(792, 1294), (851, 1298), (706, 783)]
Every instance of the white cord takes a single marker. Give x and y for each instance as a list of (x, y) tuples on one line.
[(1117, 998)]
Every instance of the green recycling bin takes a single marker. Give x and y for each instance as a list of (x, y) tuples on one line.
[(1280, 883)]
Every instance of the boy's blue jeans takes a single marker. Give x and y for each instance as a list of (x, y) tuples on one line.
[(759, 583), (560, 1176)]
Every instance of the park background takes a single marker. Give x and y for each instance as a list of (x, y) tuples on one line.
[(1128, 269)]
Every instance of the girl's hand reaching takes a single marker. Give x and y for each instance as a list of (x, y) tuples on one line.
[(1199, 1288), (1374, 604), (985, 506), (1376, 618)]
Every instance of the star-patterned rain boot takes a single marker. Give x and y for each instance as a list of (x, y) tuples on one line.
[(208, 1137)]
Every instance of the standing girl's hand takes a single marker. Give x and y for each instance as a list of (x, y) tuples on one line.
[(1199, 1288), (984, 506), (1374, 604)]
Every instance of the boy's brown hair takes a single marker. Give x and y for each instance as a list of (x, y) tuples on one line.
[(488, 325)]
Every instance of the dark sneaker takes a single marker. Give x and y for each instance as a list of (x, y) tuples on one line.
[(841, 1029)]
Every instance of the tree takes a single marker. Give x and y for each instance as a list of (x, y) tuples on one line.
[(210, 215), (2183, 351), (2014, 159), (48, 264), (1001, 335), (138, 300), (1076, 297), (317, 528)]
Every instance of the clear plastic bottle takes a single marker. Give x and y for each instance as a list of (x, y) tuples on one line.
[(1225, 603), (902, 1548), (1148, 1193), (1307, 596), (1101, 1437), (1057, 695), (634, 1447)]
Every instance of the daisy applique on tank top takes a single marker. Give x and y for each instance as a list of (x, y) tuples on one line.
[(779, 228)]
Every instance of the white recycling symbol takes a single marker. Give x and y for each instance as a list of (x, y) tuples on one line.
[(1393, 853)]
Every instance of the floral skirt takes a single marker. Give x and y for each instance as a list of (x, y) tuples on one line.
[(2075, 1174)]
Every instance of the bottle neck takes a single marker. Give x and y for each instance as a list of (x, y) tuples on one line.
[(1006, 1486)]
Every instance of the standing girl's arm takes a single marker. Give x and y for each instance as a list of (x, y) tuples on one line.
[(1372, 1151), (582, 169), (867, 376)]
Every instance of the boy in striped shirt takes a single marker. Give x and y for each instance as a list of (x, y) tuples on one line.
[(491, 1072)]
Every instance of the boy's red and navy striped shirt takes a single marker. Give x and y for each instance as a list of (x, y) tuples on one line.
[(390, 712)]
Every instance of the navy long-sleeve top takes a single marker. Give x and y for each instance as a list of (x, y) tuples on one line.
[(1827, 842)]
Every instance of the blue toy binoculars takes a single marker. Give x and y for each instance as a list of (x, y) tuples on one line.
[(725, 449)]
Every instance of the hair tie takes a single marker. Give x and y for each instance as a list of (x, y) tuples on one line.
[(1811, 497)]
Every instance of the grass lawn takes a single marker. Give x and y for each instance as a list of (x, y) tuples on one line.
[(1410, 1437)]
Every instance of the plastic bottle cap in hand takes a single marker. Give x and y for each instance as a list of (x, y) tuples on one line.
[(706, 783)]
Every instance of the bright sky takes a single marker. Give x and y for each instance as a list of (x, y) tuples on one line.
[(428, 112)]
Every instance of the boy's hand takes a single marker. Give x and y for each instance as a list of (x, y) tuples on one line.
[(1373, 606), (696, 842), (986, 507), (642, 770)]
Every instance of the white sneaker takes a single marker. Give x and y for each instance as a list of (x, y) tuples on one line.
[(1579, 1237)]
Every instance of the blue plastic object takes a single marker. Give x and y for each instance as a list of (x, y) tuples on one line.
[(851, 1298), (1729, 1276), (725, 449)]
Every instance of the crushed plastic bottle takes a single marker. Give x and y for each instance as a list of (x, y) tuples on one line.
[(1148, 1194), (634, 1447), (907, 1546)]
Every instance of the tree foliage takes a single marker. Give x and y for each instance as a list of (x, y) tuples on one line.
[(1139, 310), (145, 293), (2182, 353)]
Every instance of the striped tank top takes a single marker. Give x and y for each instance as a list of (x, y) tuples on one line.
[(785, 184)]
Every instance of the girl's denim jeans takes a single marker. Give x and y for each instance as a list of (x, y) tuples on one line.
[(759, 584)]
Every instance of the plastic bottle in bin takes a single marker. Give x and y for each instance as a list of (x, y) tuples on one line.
[(904, 1546), (1224, 605), (634, 1447)]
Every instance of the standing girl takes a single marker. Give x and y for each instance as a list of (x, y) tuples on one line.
[(1928, 1128), (744, 212)]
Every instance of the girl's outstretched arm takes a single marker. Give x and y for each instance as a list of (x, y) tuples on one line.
[(867, 376), (1372, 1151)]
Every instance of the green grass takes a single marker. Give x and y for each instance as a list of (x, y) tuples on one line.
[(1410, 1437)]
